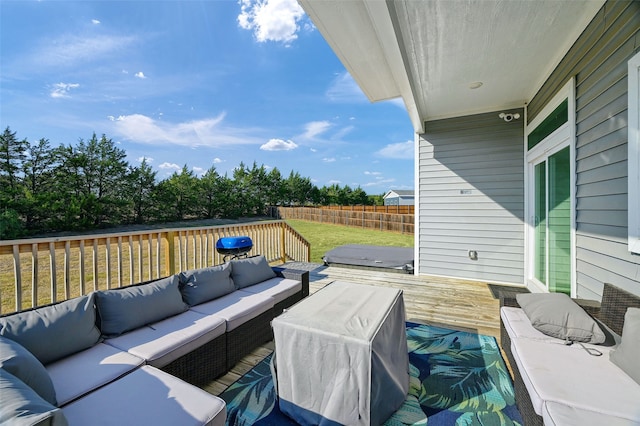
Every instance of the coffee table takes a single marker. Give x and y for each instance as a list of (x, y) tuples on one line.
[(341, 356)]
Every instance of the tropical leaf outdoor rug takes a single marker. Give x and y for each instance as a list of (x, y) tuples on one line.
[(456, 378)]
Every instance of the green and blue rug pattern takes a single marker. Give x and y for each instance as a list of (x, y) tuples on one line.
[(456, 378)]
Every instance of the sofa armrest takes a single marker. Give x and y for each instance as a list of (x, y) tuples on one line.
[(294, 274)]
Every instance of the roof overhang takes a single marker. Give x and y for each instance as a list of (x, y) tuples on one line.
[(432, 53)]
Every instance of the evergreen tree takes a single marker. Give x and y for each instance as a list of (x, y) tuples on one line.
[(142, 189), (211, 201), (38, 171), (12, 155), (179, 195)]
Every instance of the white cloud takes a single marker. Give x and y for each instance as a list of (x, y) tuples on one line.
[(169, 166), (271, 20), (344, 89), (70, 50), (315, 128), (141, 75), (379, 182), (208, 132), (342, 132), (279, 145), (372, 173), (217, 160), (95, 21), (61, 90), (313, 150), (143, 158), (400, 151), (329, 159), (198, 170), (334, 182)]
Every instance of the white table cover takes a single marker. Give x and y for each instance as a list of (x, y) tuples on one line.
[(341, 356)]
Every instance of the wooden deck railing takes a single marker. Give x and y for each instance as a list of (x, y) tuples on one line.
[(35, 272)]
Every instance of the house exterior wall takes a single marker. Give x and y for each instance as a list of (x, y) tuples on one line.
[(598, 60), (399, 201), (471, 183)]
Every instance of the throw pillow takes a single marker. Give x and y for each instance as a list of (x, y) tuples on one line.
[(21, 405), (556, 315), (129, 308), (626, 355), (15, 359), (54, 332), (201, 285), (250, 271)]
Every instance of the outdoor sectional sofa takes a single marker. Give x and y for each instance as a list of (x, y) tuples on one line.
[(135, 355), (571, 381)]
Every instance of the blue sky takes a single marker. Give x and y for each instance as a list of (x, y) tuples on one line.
[(199, 83)]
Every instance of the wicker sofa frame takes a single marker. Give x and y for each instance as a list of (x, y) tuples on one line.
[(610, 311)]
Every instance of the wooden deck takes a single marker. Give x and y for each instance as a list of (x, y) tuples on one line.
[(457, 304)]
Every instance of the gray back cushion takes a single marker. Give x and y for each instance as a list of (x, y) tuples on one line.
[(201, 285), (15, 359), (250, 271), (56, 331), (22, 406), (556, 315), (627, 354), (129, 308)]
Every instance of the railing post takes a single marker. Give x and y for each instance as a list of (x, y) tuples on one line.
[(17, 272), (171, 253), (283, 246)]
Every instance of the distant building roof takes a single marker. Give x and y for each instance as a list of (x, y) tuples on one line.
[(400, 192)]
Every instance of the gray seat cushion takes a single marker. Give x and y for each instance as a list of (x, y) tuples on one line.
[(128, 308), (571, 376), (55, 331), (22, 406), (556, 414), (236, 308), (15, 359), (171, 338), (148, 396), (278, 288), (85, 371)]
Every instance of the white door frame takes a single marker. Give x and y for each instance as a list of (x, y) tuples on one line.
[(562, 137)]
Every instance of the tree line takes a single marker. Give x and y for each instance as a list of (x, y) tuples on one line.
[(90, 185)]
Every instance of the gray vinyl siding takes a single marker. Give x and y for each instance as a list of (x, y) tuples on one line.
[(471, 181), (598, 60)]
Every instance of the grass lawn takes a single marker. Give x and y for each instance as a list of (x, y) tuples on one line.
[(324, 237)]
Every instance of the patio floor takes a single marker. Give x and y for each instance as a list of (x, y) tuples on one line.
[(458, 304)]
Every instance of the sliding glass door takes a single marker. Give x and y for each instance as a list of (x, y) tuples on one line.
[(552, 221)]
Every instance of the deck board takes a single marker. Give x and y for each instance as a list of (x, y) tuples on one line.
[(458, 304)]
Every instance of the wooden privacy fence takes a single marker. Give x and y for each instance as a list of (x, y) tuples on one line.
[(402, 223), (35, 272), (373, 209)]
